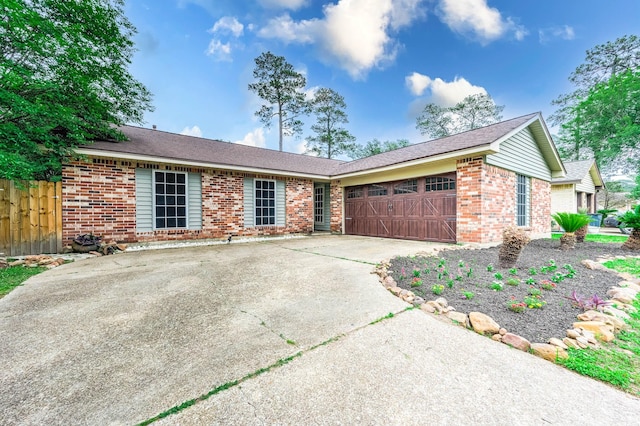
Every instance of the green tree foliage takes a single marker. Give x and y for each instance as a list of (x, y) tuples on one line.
[(64, 81), (330, 139), (280, 86), (607, 121), (591, 113), (375, 146), (472, 112), (635, 191)]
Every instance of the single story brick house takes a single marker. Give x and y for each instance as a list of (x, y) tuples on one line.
[(161, 186), (578, 188)]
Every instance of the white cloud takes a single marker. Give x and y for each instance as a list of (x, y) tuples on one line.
[(287, 30), (228, 25), (301, 148), (283, 4), (417, 83), (443, 93), (355, 34), (219, 50), (564, 32), (475, 17), (255, 138), (192, 131)]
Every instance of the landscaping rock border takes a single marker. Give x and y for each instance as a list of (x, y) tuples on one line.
[(591, 327)]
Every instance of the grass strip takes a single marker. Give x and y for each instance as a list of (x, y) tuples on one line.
[(14, 276), (598, 238), (630, 265)]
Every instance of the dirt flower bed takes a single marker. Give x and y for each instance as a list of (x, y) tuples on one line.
[(532, 300)]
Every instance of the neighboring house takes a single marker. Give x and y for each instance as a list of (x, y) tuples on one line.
[(462, 188), (577, 189)]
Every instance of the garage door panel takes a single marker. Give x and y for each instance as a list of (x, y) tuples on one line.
[(408, 214)]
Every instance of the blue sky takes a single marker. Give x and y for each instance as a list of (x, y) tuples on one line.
[(388, 58)]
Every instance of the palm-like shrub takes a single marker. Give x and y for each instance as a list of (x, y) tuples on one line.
[(631, 219), (582, 232), (570, 223)]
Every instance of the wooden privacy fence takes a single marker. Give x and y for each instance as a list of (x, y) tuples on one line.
[(30, 218)]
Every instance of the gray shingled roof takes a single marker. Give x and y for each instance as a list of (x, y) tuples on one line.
[(159, 144), (458, 142), (576, 171), (156, 144)]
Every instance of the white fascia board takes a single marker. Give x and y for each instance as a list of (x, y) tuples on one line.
[(478, 150), (146, 158)]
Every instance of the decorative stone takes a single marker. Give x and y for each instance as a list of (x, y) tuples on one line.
[(592, 315), (629, 284), (571, 343), (623, 294), (516, 341), (17, 262), (390, 282), (616, 312), (427, 308), (548, 352), (572, 334), (496, 337), (483, 324), (557, 342), (590, 264), (597, 327), (458, 317), (418, 300), (436, 306), (502, 331), (442, 302), (582, 342), (395, 290)]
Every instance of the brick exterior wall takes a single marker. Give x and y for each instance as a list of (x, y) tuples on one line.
[(487, 202), (335, 198), (98, 196)]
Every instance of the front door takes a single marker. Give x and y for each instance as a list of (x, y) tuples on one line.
[(318, 207)]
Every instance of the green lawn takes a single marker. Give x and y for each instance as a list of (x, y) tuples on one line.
[(598, 238), (14, 276), (617, 363)]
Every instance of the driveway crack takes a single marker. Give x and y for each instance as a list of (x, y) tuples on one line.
[(271, 330)]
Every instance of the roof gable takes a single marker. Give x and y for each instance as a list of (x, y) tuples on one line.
[(578, 170)]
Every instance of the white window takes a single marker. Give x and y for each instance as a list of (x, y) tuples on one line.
[(265, 202), (318, 208), (169, 200), (523, 200)]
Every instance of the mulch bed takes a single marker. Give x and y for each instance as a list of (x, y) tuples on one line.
[(536, 325)]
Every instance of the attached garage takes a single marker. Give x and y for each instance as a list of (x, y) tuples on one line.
[(417, 209)]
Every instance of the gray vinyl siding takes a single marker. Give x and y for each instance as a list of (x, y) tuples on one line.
[(194, 201), (249, 211), (280, 203), (144, 200), (521, 154), (249, 205), (587, 185)]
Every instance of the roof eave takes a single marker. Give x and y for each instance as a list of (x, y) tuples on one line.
[(478, 150), (162, 160)]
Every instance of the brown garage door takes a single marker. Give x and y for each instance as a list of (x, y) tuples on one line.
[(416, 209)]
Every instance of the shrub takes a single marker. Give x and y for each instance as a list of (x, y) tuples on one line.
[(514, 239)]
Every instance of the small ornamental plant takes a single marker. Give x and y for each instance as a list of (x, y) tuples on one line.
[(516, 305), (403, 273), (416, 282), (513, 271), (468, 295), (489, 268), (416, 273), (496, 286), (437, 289), (533, 271), (450, 283), (557, 277), (534, 291), (548, 285), (513, 281), (530, 281), (498, 276), (534, 302)]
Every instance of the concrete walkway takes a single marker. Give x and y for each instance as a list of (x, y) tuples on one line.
[(276, 332)]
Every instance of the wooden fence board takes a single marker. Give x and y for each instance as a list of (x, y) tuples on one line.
[(30, 218)]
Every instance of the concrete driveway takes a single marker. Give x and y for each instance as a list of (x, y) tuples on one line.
[(275, 332)]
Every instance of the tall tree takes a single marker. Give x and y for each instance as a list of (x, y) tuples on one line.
[(606, 122), (330, 139), (472, 112), (281, 87), (64, 81), (375, 146), (591, 80)]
